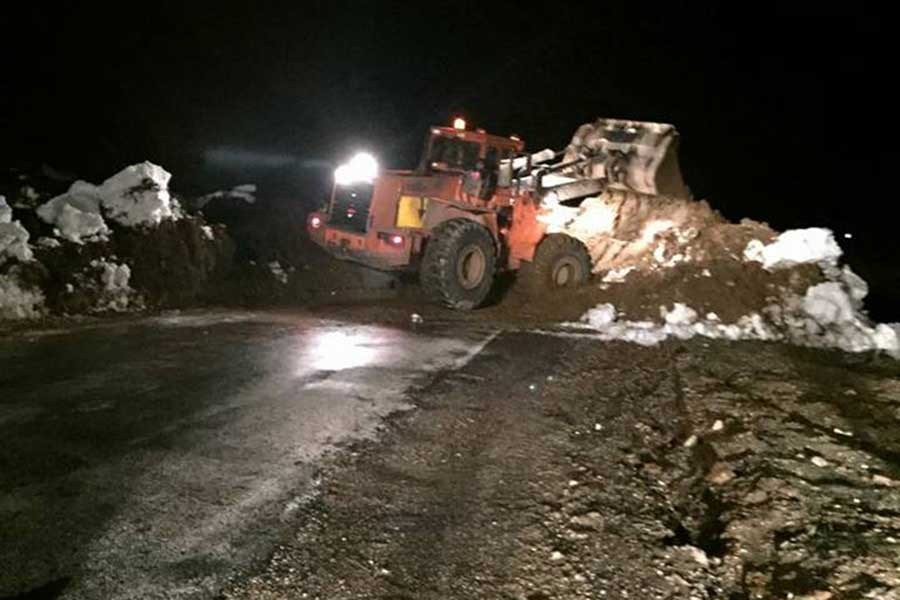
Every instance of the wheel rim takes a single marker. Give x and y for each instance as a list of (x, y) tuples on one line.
[(567, 272), (470, 267)]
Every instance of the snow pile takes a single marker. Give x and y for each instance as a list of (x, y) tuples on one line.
[(278, 271), (18, 301), (48, 242), (795, 247), (246, 193), (5, 211), (828, 315), (77, 225), (601, 316), (14, 242), (13, 237), (681, 322), (137, 195), (617, 275), (76, 214), (115, 293)]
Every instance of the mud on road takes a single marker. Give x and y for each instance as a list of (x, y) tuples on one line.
[(689, 470)]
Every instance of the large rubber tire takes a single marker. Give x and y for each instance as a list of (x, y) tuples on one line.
[(459, 264), (560, 262)]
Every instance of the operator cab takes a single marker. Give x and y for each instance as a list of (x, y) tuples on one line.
[(457, 150)]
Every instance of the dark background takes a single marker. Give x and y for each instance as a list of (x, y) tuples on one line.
[(785, 110)]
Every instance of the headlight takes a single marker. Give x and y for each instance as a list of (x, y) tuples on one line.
[(362, 168)]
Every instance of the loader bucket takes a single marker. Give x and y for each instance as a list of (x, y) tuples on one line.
[(632, 155)]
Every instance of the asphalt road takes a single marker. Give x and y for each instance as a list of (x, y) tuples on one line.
[(555, 467), (154, 457), (189, 456)]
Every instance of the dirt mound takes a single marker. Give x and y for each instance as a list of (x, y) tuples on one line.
[(176, 264), (627, 230), (791, 289), (650, 252), (704, 269), (727, 288), (675, 268)]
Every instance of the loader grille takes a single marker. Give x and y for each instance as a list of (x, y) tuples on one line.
[(350, 207)]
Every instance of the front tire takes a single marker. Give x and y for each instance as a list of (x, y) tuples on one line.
[(459, 264), (560, 262)]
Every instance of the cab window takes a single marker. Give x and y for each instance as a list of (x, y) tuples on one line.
[(453, 153)]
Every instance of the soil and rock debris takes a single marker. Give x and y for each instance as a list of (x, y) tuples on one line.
[(697, 469)]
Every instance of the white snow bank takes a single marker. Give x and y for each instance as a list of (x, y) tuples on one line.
[(18, 301), (14, 242), (82, 196), (278, 271), (795, 247), (681, 322), (600, 316), (245, 192), (856, 285), (832, 320), (116, 293), (77, 225), (136, 195), (828, 303), (76, 214), (824, 318), (5, 211), (13, 237), (617, 275)]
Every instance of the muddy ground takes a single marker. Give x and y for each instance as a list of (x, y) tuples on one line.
[(690, 470)]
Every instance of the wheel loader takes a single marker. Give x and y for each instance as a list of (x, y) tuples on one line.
[(472, 206)]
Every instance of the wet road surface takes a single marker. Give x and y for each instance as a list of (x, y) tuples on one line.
[(153, 457), (189, 457)]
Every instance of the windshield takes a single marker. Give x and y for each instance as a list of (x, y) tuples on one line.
[(453, 153)]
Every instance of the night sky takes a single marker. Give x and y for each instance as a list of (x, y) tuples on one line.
[(784, 113)]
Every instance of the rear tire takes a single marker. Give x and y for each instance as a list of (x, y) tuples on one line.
[(560, 262), (459, 264)]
